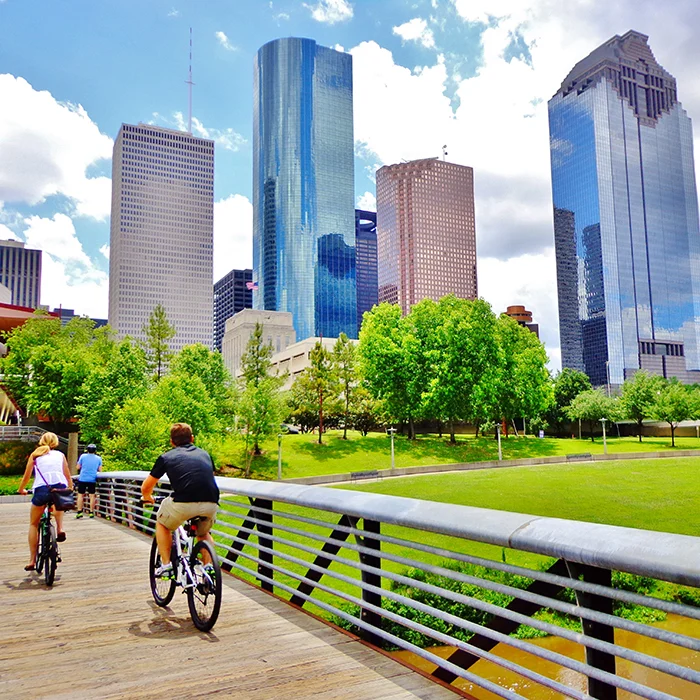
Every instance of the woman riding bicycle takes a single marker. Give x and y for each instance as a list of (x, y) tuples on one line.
[(50, 470)]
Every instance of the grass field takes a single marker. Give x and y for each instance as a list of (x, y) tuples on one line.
[(303, 456)]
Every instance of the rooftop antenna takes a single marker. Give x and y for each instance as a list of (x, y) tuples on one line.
[(444, 151), (190, 84)]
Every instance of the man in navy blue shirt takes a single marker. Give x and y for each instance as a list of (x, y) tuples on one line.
[(190, 471), (88, 466)]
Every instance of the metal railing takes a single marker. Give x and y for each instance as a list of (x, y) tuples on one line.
[(25, 433), (407, 574)]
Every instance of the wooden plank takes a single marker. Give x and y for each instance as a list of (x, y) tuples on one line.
[(98, 634)]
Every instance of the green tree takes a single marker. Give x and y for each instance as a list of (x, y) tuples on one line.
[(364, 410), (568, 384), (183, 398), (197, 360), (260, 404), (158, 332), (392, 361), (301, 402), (344, 356), (524, 387), (591, 406), (323, 379), (108, 386), (140, 433), (638, 397), (674, 403)]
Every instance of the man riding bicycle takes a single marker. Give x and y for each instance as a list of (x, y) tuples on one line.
[(195, 493)]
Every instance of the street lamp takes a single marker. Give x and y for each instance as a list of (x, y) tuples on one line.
[(498, 433), (391, 432), (279, 457), (605, 444)]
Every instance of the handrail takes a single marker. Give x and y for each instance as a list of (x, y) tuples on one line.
[(283, 530), (20, 432)]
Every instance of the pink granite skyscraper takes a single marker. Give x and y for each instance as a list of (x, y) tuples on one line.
[(426, 236)]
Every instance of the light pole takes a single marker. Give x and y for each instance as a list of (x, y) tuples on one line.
[(605, 443), (498, 433), (279, 457), (390, 433)]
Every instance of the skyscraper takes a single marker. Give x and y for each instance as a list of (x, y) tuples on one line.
[(20, 272), (232, 293), (625, 217), (303, 186), (365, 261), (426, 235), (161, 235)]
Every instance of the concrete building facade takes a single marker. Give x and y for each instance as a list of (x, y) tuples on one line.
[(426, 233), (278, 331), (161, 235), (20, 272)]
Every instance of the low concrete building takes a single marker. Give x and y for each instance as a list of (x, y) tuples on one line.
[(278, 331), (296, 358)]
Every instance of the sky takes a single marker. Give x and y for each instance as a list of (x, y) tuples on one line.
[(475, 75)]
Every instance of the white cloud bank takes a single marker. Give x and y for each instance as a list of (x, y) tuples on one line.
[(224, 41), (46, 148), (416, 29), (331, 11), (233, 235)]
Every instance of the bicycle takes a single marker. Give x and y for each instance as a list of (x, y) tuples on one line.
[(47, 554), (199, 579)]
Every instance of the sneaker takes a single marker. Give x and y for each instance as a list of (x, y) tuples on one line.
[(165, 572), (210, 570), (79, 515), (92, 515)]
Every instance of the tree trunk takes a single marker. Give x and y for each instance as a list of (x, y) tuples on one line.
[(439, 425), (411, 429), (673, 435), (504, 427), (590, 425), (452, 432), (347, 412), (476, 430), (320, 417), (640, 430)]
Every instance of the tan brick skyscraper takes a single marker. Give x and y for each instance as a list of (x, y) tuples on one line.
[(426, 236)]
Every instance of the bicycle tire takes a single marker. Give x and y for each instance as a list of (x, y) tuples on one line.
[(40, 551), (51, 557), (163, 590), (204, 598)]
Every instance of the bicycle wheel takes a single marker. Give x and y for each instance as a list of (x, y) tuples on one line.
[(51, 554), (163, 590), (40, 551), (204, 598)]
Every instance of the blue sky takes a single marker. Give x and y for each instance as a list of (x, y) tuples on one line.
[(475, 74)]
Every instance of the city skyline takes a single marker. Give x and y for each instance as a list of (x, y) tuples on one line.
[(473, 76), (625, 217)]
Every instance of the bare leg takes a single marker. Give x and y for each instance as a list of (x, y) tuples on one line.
[(93, 498), (33, 537), (205, 555), (58, 514), (164, 538), (79, 506)]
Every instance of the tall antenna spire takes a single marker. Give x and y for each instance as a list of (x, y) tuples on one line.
[(190, 84)]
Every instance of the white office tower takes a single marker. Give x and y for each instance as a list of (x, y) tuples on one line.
[(162, 231)]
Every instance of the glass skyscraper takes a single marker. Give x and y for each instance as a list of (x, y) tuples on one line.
[(626, 227), (366, 262), (303, 187)]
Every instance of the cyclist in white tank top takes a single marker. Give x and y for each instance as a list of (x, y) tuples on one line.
[(50, 468)]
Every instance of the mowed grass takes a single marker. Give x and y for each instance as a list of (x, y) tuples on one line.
[(303, 456), (651, 494)]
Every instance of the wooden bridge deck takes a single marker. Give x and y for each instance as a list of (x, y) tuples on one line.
[(98, 634)]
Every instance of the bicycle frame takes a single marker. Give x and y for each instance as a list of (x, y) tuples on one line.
[(184, 544)]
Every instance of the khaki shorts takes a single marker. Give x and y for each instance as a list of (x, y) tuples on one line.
[(173, 514)]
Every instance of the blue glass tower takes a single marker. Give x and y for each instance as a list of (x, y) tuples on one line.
[(303, 187), (626, 228)]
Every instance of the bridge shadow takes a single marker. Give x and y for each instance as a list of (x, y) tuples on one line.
[(165, 624)]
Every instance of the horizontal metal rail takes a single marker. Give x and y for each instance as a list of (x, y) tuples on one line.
[(393, 584)]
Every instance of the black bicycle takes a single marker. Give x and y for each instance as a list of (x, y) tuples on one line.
[(47, 555), (196, 570)]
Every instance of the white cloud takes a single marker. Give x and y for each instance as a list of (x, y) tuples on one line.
[(233, 234), (105, 250), (416, 29), (529, 280), (224, 41), (367, 202), (331, 11), (69, 278), (226, 138), (7, 234), (46, 147), (174, 13)]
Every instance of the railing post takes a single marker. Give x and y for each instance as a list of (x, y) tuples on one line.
[(265, 542), (598, 659), (371, 527)]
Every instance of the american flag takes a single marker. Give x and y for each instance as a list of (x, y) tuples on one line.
[(252, 285)]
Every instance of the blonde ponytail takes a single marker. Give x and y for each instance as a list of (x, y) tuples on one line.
[(47, 442)]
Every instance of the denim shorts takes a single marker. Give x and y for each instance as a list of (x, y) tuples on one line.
[(41, 496)]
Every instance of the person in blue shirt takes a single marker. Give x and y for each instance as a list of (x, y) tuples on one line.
[(88, 466)]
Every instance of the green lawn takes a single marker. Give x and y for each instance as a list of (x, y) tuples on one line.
[(9, 485), (653, 494), (303, 456)]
